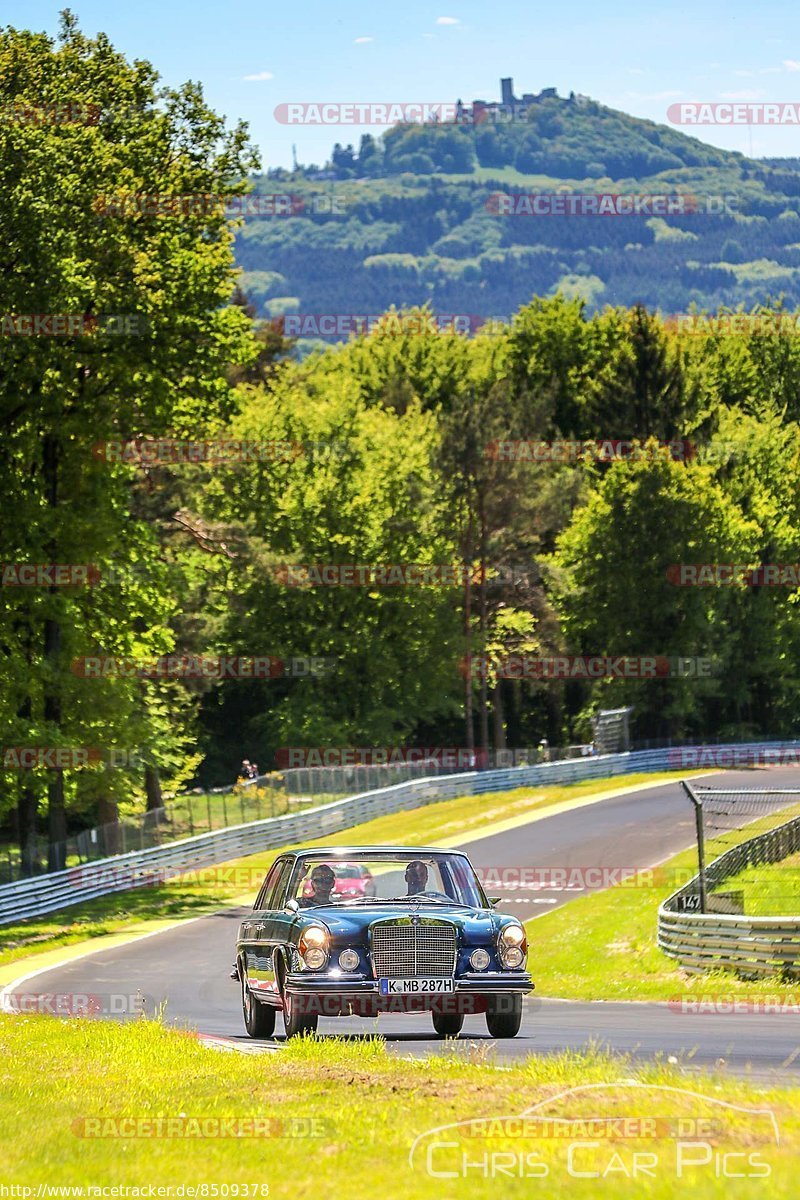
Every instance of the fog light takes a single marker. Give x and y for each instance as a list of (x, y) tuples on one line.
[(348, 960), (314, 958), (513, 958), (479, 960)]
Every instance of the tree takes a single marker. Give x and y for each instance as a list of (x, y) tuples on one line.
[(131, 295), (614, 578)]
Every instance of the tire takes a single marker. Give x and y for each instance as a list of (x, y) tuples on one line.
[(259, 1019), (295, 1023), (504, 1015), (448, 1024)]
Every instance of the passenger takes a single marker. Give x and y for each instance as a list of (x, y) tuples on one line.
[(416, 877)]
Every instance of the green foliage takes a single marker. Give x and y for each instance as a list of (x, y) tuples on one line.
[(168, 274), (398, 434)]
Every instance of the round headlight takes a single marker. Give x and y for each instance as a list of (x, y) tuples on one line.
[(479, 960), (314, 947), (511, 946), (349, 960)]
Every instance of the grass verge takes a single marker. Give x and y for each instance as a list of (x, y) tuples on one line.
[(602, 946), (215, 887), (74, 1093), (770, 889)]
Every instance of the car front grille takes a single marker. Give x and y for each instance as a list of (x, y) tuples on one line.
[(402, 950)]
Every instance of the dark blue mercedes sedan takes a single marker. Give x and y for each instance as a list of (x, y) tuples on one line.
[(361, 931)]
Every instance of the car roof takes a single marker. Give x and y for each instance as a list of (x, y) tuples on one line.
[(346, 851)]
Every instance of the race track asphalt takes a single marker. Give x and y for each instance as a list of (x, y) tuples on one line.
[(185, 969)]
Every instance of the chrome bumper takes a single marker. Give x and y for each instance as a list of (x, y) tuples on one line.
[(472, 982)]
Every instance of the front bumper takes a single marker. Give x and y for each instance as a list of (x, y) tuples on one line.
[(343, 996), (472, 982)]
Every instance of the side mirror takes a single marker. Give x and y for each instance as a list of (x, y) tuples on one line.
[(291, 906), (495, 899)]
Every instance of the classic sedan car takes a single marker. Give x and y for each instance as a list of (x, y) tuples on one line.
[(427, 939)]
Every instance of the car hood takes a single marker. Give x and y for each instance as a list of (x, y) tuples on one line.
[(353, 922)]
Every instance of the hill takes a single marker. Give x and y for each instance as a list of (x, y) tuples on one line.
[(441, 213)]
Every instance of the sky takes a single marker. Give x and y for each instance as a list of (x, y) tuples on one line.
[(252, 57)]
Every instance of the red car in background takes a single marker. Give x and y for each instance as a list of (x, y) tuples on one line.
[(352, 879)]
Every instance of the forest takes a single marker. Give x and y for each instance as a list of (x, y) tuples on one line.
[(215, 546)]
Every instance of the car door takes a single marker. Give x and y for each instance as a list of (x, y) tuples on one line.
[(257, 939), (276, 926)]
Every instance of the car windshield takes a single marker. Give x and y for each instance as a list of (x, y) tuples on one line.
[(396, 878)]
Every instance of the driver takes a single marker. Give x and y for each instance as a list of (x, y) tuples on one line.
[(416, 877), (322, 881)]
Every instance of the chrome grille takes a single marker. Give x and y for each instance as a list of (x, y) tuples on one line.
[(406, 950)]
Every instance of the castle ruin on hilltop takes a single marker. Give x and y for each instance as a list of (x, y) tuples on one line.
[(509, 106)]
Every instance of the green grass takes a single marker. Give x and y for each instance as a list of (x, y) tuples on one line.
[(219, 886), (61, 1080), (603, 946), (770, 889)]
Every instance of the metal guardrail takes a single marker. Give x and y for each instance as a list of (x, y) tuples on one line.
[(752, 946), (191, 813), (48, 893)]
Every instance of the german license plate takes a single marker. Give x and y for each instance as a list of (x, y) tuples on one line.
[(414, 987)]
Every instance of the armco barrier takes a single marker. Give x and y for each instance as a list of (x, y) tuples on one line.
[(751, 946), (43, 894), (47, 893)]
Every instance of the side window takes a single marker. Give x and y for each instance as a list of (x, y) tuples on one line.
[(276, 895), (268, 887)]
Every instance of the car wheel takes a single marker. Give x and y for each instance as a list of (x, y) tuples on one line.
[(504, 1016), (259, 1019), (295, 1021), (448, 1024)]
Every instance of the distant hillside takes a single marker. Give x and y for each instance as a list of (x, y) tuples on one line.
[(567, 138), (414, 216)]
